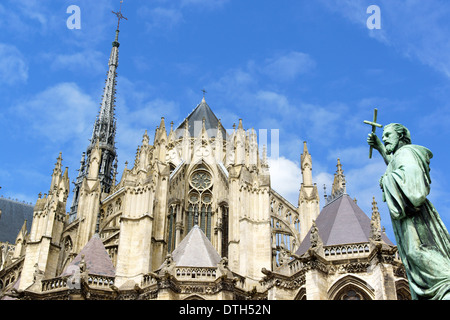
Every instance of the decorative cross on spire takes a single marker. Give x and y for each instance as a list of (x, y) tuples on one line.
[(204, 92), (119, 15)]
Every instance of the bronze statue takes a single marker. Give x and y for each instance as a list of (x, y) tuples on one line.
[(423, 241)]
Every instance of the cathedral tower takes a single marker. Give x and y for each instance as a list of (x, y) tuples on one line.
[(43, 247)]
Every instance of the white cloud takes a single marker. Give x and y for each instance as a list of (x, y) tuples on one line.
[(25, 17), (277, 102), (351, 155), (285, 178), (48, 113), (314, 118), (139, 111), (289, 66), (88, 60), (365, 177), (161, 17), (13, 66), (418, 30), (323, 179), (169, 14), (210, 4), (234, 82), (133, 124), (33, 10)]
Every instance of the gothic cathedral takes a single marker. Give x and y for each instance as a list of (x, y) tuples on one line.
[(195, 217)]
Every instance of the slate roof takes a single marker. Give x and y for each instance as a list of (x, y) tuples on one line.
[(195, 119), (12, 218), (341, 222), (195, 250), (96, 258)]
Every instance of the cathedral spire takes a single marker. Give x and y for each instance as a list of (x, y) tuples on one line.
[(104, 131), (105, 124)]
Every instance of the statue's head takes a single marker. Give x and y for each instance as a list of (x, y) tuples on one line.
[(395, 135)]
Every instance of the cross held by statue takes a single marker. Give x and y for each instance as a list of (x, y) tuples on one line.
[(374, 125)]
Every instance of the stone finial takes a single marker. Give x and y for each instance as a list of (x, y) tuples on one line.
[(375, 222)]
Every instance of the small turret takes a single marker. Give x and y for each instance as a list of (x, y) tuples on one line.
[(56, 173), (20, 242), (160, 142), (308, 199), (218, 143), (240, 144), (339, 186), (306, 165), (375, 222)]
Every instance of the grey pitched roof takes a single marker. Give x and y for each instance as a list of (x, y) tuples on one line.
[(341, 222), (12, 218), (195, 118), (96, 258), (195, 250)]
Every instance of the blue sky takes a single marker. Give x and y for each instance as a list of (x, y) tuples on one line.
[(310, 70)]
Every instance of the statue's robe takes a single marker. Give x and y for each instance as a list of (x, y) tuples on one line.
[(423, 241)]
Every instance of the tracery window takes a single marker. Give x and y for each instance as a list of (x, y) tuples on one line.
[(225, 222), (199, 207), (352, 295), (352, 292)]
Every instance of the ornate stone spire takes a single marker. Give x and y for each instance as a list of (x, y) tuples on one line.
[(339, 181), (104, 131), (57, 171), (339, 185), (306, 165), (375, 222), (308, 198), (105, 124)]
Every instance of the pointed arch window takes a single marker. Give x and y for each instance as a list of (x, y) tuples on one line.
[(352, 295), (200, 198), (297, 225), (225, 222), (172, 218)]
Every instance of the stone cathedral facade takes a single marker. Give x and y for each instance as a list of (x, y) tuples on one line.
[(195, 217)]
